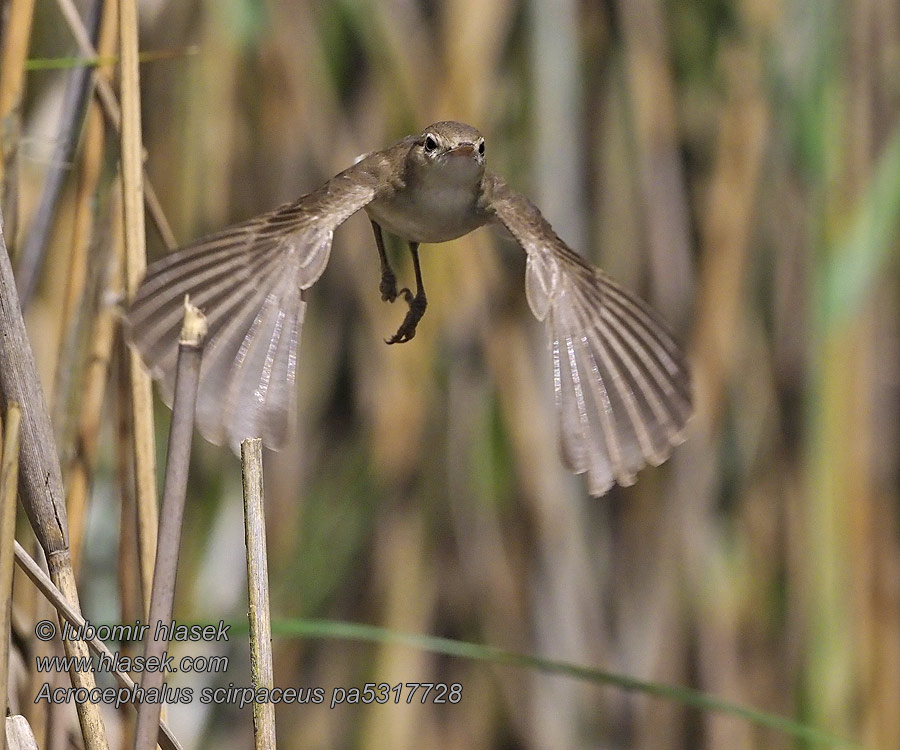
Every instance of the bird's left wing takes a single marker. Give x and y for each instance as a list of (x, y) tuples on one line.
[(250, 282), (622, 385)]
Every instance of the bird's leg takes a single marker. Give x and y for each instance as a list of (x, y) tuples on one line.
[(417, 303), (388, 286)]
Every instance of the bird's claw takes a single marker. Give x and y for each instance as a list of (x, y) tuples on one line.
[(407, 329)]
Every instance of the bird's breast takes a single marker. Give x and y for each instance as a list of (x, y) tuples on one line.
[(430, 212)]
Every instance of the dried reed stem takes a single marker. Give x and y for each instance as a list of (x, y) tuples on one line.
[(87, 260), (14, 52), (144, 445), (9, 481), (79, 468), (261, 670), (30, 260), (111, 107), (104, 322), (40, 478), (131, 606), (15, 40), (187, 378), (67, 612)]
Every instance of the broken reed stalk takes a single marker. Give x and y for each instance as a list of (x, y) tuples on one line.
[(261, 670), (67, 612), (9, 480), (144, 446), (40, 478), (187, 378), (20, 735)]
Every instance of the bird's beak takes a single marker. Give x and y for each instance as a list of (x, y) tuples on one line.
[(466, 149)]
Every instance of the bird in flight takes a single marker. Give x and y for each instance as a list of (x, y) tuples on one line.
[(622, 385)]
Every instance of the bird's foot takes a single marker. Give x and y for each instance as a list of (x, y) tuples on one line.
[(388, 286), (407, 329)]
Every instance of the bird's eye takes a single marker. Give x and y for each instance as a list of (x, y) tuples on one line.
[(430, 144), (481, 148)]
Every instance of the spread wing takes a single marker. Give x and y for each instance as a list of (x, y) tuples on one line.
[(250, 282), (622, 386)]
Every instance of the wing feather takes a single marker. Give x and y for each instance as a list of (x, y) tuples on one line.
[(250, 281), (622, 385)]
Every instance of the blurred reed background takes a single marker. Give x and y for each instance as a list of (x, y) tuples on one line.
[(738, 163)]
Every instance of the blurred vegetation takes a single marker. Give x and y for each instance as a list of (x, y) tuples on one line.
[(738, 163)]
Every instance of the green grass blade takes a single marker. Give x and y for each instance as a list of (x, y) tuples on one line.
[(476, 652), (66, 63)]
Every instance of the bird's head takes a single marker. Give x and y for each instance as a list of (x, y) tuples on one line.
[(450, 147)]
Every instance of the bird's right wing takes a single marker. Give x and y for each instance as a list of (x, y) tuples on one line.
[(622, 385), (250, 282)]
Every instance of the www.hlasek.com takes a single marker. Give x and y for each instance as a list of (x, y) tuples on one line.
[(46, 630)]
